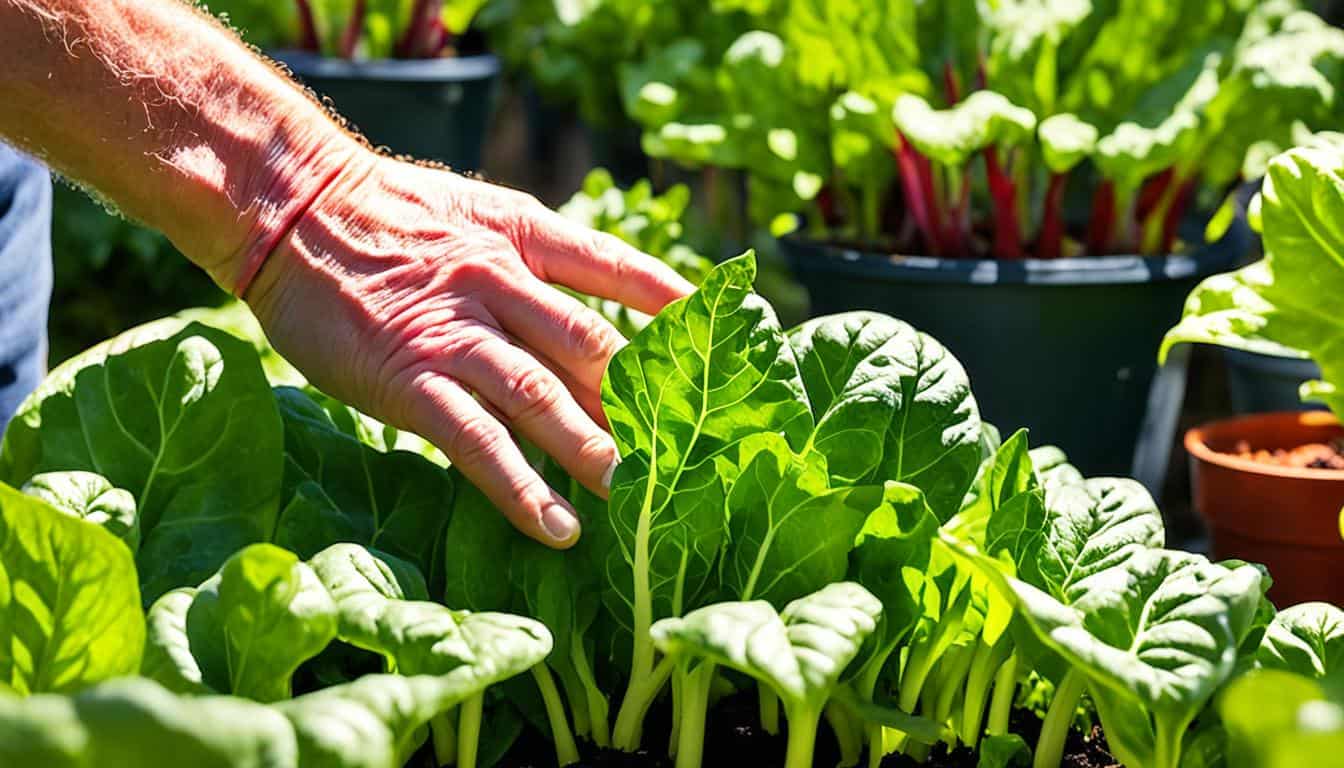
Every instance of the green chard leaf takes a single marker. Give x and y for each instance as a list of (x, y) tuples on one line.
[(789, 533), (1154, 634), (1066, 141), (1307, 639), (952, 136), (889, 403), (90, 497), (69, 604), (1290, 302), (337, 488), (180, 416), (799, 652), (375, 722), (711, 370), (382, 606), (244, 631)]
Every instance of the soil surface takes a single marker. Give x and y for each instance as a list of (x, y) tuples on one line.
[(734, 739), (1309, 456)]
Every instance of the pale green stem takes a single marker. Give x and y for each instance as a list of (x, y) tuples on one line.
[(577, 697), (802, 726), (1167, 738), (444, 733), (678, 693), (597, 703), (769, 706), (694, 706), (988, 660), (951, 684), (847, 734), (566, 751), (469, 730), (1055, 727), (916, 671), (638, 698), (1005, 692)]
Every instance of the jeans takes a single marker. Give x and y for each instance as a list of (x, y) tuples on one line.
[(25, 276)]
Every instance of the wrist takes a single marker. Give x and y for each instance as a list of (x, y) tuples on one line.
[(288, 166)]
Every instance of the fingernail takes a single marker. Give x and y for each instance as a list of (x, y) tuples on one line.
[(560, 524), (611, 470)]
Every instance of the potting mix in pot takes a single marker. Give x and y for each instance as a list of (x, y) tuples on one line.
[(815, 550)]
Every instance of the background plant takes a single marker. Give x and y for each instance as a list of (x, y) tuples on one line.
[(954, 128), (365, 29)]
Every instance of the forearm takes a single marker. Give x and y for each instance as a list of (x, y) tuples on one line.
[(165, 114)]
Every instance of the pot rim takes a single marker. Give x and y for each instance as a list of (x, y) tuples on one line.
[(444, 69), (1078, 270), (1197, 445)]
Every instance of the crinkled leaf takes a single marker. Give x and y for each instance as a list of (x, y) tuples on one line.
[(183, 418), (1090, 527), (1066, 141), (338, 489), (799, 652), (1292, 299), (789, 532), (69, 604), (709, 371), (1307, 639), (389, 615), (90, 497), (951, 136), (889, 403), (244, 631), (1155, 634)]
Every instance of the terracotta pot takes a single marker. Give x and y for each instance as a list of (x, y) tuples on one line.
[(1287, 518)]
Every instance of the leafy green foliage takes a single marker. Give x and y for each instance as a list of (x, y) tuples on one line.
[(1277, 719), (90, 497), (1151, 107), (181, 417), (367, 29), (1288, 302), (69, 603), (244, 631), (819, 511)]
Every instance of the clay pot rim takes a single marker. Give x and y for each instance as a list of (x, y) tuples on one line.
[(1197, 444)]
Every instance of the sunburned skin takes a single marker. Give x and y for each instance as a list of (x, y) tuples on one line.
[(418, 295)]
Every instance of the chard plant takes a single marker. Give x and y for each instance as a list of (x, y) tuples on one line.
[(205, 566), (977, 129), (353, 29), (1284, 304)]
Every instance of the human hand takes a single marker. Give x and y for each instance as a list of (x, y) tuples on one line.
[(422, 297)]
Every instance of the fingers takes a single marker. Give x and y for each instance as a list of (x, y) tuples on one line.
[(561, 251), (535, 402), (483, 450), (577, 340)]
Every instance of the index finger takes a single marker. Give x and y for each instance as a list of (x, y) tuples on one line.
[(562, 251)]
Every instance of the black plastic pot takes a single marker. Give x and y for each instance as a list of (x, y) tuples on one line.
[(431, 109), (1268, 383), (1064, 347)]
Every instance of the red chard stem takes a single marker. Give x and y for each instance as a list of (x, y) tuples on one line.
[(918, 185), (1048, 244), (307, 29), (1176, 211), (1102, 224), (951, 83), (1007, 230), (354, 27)]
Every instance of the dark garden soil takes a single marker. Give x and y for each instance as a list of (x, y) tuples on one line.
[(1309, 456), (734, 739)]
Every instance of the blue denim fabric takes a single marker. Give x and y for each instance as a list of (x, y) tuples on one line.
[(25, 276)]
